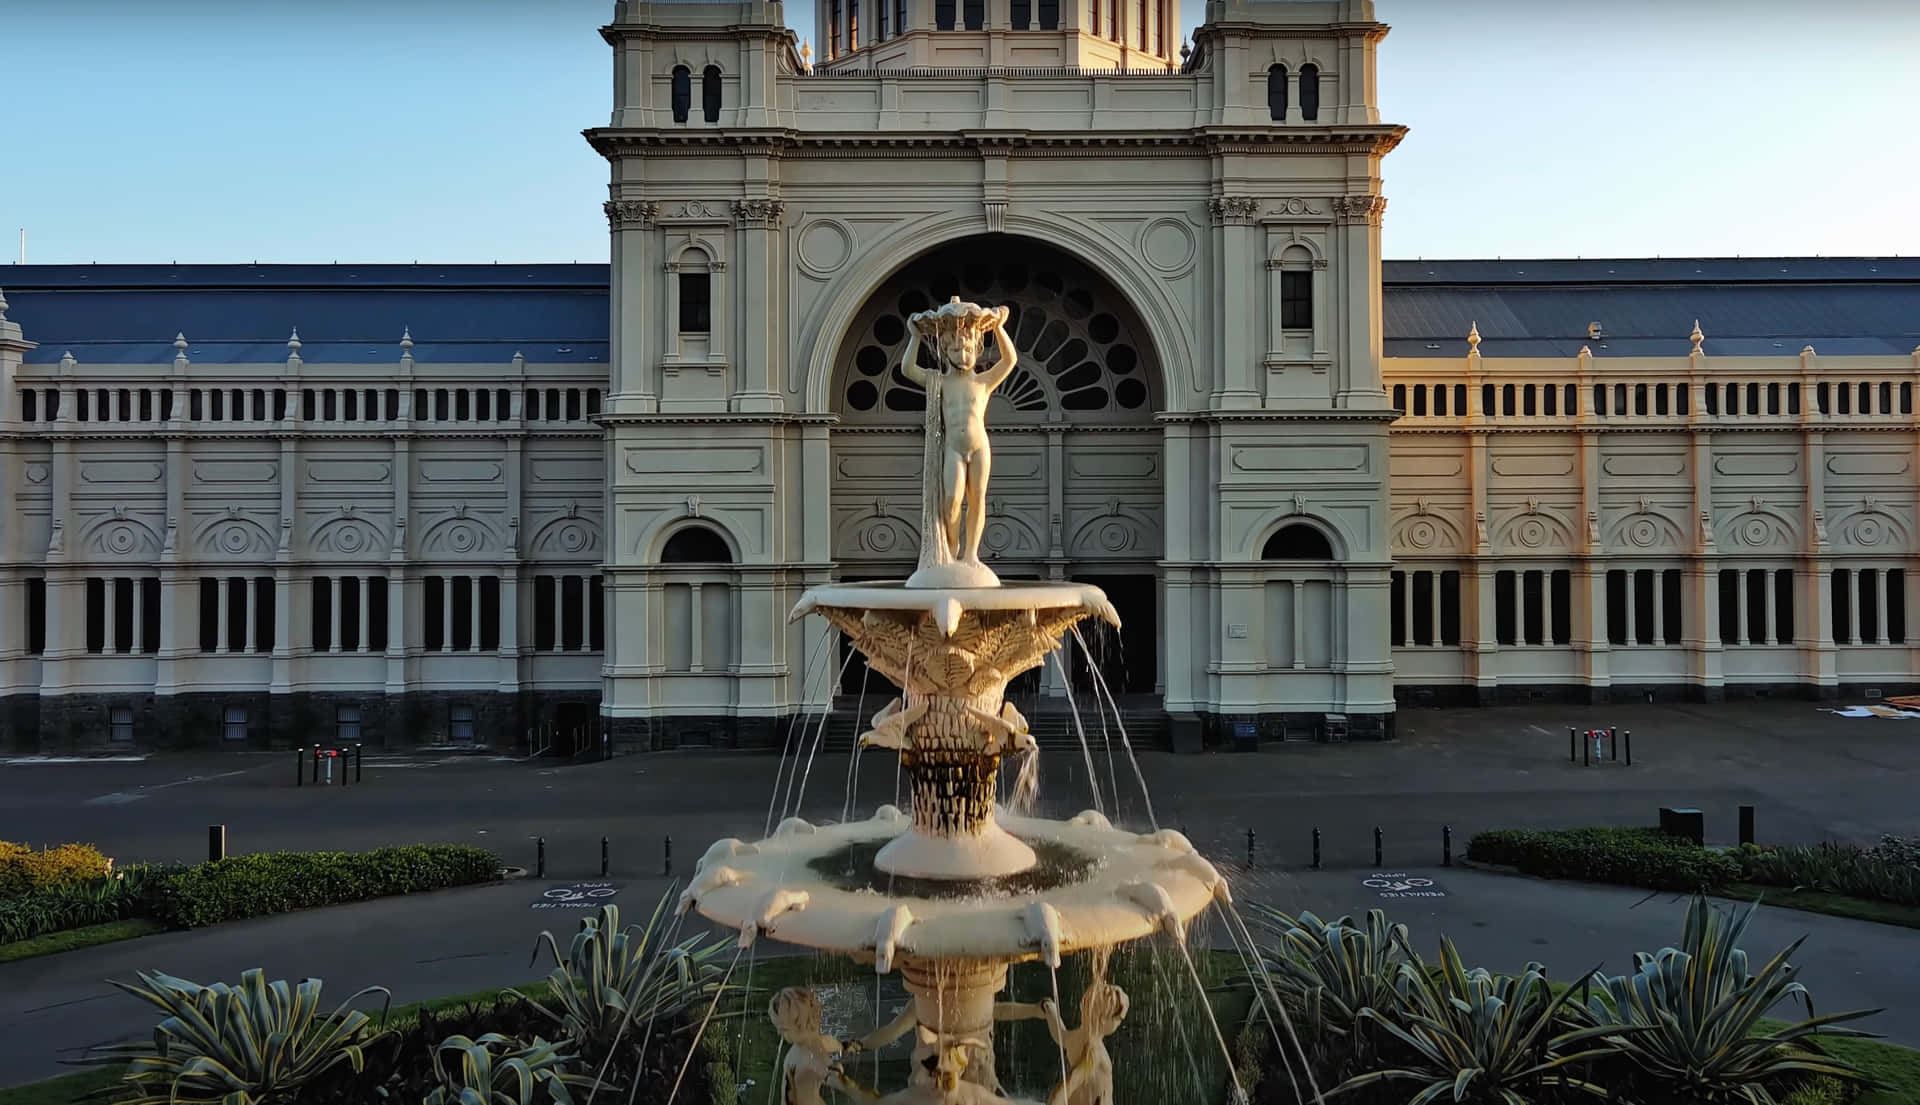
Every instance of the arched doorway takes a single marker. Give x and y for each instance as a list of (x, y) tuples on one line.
[(1077, 482), (1301, 594)]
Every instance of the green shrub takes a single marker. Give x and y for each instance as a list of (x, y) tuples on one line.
[(1880, 874), (25, 916), (276, 882), (1628, 857), (23, 870)]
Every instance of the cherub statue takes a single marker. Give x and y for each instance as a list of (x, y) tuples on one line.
[(978, 1073), (1089, 1078), (959, 460), (811, 1054), (938, 1077)]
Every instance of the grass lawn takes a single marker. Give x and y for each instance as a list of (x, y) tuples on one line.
[(1895, 1068), (1819, 901), (72, 939)]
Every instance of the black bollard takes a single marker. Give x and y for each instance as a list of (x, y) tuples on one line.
[(1316, 849), (1249, 849), (1629, 735), (1379, 842), (216, 843), (300, 767), (1446, 845), (1613, 743), (668, 850), (1573, 738), (1746, 824), (356, 763), (540, 857), (603, 857)]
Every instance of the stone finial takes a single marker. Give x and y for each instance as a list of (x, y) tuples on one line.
[(293, 344), (180, 350), (1696, 337), (406, 339), (1473, 337), (67, 362), (806, 54), (519, 362), (1186, 50), (1808, 352)]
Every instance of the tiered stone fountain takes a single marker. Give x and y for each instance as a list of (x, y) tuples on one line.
[(956, 891)]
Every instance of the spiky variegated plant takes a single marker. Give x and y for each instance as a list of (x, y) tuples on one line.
[(1477, 1036), (491, 1071), (255, 1043), (1329, 970), (1687, 1016), (613, 980)]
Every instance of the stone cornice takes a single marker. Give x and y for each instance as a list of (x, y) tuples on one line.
[(1206, 141), (769, 418), (1263, 415), (161, 433), (1665, 428)]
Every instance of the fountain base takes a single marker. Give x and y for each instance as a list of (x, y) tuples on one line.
[(990, 853)]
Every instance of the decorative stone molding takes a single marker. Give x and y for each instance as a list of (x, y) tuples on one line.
[(631, 214), (996, 217), (758, 213), (1296, 205), (1232, 210), (1359, 209)]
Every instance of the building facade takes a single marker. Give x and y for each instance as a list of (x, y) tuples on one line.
[(1315, 485)]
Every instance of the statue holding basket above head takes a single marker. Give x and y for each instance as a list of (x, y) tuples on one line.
[(958, 460)]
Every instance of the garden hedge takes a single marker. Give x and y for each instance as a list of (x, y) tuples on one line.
[(1629, 857), (23, 870), (276, 882)]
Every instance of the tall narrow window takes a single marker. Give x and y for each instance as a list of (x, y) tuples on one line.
[(264, 613), (943, 15), (683, 89), (573, 609), (1533, 601), (37, 616), (123, 615), (1561, 584), (1049, 15), (350, 614), (1449, 608), (433, 614), (376, 613), (96, 614), (1310, 92), (1838, 601), (881, 8), (1140, 19), (1757, 627), (489, 613), (710, 86), (853, 24), (1296, 300), (1729, 585), (1422, 608), (1670, 605), (1617, 606), (1397, 609), (322, 614), (1644, 607), (696, 303), (1505, 623), (543, 607), (596, 616), (237, 621), (461, 601), (975, 13), (1896, 606), (150, 614), (1783, 629), (209, 614), (1277, 93)]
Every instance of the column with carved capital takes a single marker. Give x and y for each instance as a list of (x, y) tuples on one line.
[(1590, 631), (399, 585), (13, 587), (1237, 268), (511, 565), (637, 303), (759, 315), (1357, 347)]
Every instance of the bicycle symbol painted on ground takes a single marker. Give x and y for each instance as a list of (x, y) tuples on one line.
[(1399, 884), (579, 895)]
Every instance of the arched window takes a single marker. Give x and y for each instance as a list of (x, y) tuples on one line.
[(710, 93), (1297, 541), (696, 545), (1310, 92), (1277, 93), (682, 93)]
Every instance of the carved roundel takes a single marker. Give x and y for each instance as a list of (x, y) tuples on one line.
[(349, 539), (1168, 245), (462, 538), (120, 539), (824, 246), (1421, 533), (998, 537), (1531, 532), (572, 538), (1082, 349), (1756, 531), (1643, 533), (1868, 531), (1116, 536)]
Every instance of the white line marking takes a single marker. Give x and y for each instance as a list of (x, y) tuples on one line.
[(23, 761), (1540, 731)]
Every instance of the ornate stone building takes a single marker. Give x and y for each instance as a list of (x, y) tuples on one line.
[(585, 501)]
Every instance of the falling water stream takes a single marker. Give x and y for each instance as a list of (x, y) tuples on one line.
[(1086, 749), (1120, 722)]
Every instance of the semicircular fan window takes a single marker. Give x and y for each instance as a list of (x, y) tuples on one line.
[(1078, 353)]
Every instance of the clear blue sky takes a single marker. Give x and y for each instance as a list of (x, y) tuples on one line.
[(448, 130)]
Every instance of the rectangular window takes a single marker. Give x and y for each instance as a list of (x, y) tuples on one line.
[(1021, 11), (593, 402), (1712, 394), (1562, 595), (1449, 608), (1660, 399), (29, 405), (833, 30), (120, 724), (1617, 607), (1049, 15), (1844, 394), (502, 405), (1420, 399), (279, 404), (266, 604), (392, 410), (1729, 606), (462, 412), (1533, 607), (1757, 627), (376, 613), (1551, 393), (1837, 601), (349, 613), (1783, 630), (1670, 605), (461, 602), (553, 404), (596, 616), (1504, 619), (150, 614), (349, 401), (532, 405), (1773, 398), (346, 723), (233, 723), (696, 305), (1680, 393), (460, 723), (1867, 592), (322, 614), (433, 612), (489, 613), (543, 608), (1640, 400), (329, 405), (1506, 400), (573, 404), (573, 610), (209, 614), (1423, 608), (440, 404), (236, 614), (1644, 629), (37, 616), (976, 14), (123, 615), (1896, 606), (1397, 609), (943, 15), (96, 614)]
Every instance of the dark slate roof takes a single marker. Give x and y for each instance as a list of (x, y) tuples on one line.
[(128, 314), (1761, 306)]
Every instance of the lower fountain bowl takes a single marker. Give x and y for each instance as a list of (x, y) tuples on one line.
[(990, 854)]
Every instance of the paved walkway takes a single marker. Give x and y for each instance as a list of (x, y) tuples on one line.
[(429, 945)]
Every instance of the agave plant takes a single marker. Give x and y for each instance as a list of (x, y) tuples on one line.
[(1687, 1016), (251, 1044), (1330, 970), (1477, 1036), (490, 1071), (614, 980)]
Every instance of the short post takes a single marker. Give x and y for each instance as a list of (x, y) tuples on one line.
[(356, 762), (540, 857), (1586, 750), (1249, 849), (1573, 738), (1316, 848), (1446, 845), (1613, 743), (329, 757), (603, 857), (667, 851), (216, 843), (1628, 733), (300, 767), (1379, 842), (1746, 824)]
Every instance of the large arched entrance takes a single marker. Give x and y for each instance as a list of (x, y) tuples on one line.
[(1076, 490)]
